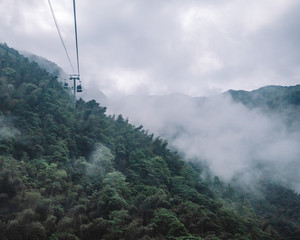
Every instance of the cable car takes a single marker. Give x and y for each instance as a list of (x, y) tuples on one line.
[(79, 88), (66, 85)]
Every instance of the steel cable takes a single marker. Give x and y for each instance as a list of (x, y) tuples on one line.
[(60, 36), (75, 22)]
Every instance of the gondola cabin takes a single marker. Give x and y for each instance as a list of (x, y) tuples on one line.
[(79, 88), (66, 85)]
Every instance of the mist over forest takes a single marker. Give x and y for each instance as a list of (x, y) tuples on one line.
[(219, 167), (149, 120), (238, 135), (236, 141)]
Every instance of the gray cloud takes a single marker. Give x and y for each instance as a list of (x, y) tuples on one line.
[(159, 47), (231, 139)]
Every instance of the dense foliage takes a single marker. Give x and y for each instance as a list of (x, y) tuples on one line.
[(68, 174)]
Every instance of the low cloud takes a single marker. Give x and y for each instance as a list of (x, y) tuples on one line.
[(7, 130), (231, 139), (100, 161)]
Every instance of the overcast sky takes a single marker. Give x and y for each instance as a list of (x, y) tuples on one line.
[(196, 47)]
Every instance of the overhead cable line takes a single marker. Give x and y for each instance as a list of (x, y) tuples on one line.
[(75, 76), (77, 88), (60, 36), (75, 22)]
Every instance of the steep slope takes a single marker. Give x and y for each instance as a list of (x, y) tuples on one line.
[(44, 63), (79, 174)]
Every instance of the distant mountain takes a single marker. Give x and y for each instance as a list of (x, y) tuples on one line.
[(93, 93), (62, 76), (272, 97), (49, 66), (282, 102)]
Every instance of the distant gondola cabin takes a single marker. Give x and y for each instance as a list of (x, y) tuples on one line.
[(79, 88)]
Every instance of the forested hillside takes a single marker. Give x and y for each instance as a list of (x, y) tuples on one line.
[(274, 97), (281, 101), (68, 174)]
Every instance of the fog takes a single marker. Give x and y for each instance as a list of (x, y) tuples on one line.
[(100, 161), (231, 139), (7, 130)]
